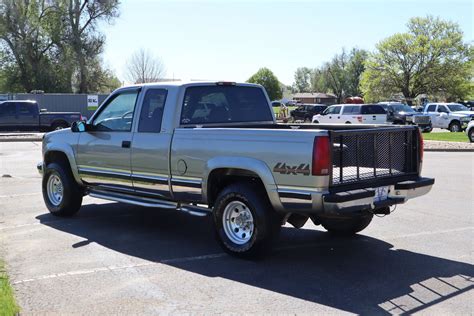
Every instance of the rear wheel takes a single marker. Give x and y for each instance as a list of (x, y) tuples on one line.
[(59, 125), (307, 120), (316, 122), (470, 134), (245, 222), (455, 127), (61, 193), (347, 226)]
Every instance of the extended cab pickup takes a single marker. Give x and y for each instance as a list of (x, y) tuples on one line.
[(26, 115), (215, 148)]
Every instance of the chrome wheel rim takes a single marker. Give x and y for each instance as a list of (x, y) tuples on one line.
[(455, 128), (54, 189), (238, 222)]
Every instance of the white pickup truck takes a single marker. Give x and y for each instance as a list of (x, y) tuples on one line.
[(215, 148), (451, 116)]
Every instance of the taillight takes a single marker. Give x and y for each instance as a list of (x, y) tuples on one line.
[(321, 156)]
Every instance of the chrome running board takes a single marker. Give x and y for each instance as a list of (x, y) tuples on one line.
[(148, 202)]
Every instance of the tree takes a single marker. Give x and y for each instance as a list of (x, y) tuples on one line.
[(143, 67), (53, 45), (429, 58), (26, 39), (80, 18), (343, 73), (303, 79), (269, 81)]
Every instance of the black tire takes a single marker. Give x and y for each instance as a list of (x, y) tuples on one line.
[(266, 221), (470, 134), (315, 122), (347, 226), (72, 193), (455, 126), (428, 129), (307, 120), (59, 125), (348, 122)]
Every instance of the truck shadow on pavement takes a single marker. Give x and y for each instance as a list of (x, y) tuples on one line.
[(359, 275)]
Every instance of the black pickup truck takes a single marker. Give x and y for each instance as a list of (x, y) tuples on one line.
[(22, 115)]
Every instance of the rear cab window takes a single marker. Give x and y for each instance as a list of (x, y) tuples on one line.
[(224, 104)]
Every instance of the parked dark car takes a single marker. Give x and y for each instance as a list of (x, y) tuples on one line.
[(25, 115), (305, 112), (402, 114)]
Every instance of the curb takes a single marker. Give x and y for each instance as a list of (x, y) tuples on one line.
[(21, 139), (465, 150)]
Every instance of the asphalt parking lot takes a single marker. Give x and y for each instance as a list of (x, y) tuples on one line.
[(114, 258)]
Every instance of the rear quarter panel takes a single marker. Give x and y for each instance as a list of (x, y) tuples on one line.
[(197, 146)]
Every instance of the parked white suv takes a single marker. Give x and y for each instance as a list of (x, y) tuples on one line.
[(352, 114), (451, 116)]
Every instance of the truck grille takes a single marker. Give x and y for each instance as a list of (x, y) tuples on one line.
[(421, 119), (364, 156)]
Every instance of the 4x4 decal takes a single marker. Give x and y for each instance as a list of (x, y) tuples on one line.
[(283, 168)]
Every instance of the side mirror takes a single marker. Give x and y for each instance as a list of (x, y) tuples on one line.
[(443, 114), (78, 127)]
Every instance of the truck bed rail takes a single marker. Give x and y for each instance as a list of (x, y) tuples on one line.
[(373, 156)]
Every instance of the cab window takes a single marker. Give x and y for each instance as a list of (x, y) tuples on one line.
[(7, 109), (152, 111), (431, 108), (442, 109), (224, 104), (117, 115)]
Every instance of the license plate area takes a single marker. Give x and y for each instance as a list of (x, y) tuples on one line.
[(381, 193)]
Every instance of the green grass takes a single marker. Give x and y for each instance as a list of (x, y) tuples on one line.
[(8, 305), (447, 137)]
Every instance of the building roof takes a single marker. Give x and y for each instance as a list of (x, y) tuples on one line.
[(314, 95)]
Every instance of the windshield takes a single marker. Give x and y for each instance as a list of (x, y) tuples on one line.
[(454, 107), (402, 108)]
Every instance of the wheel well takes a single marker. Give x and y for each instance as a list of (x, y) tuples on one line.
[(220, 178), (59, 122), (455, 122), (57, 157)]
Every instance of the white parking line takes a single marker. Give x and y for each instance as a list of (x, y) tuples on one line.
[(18, 195), (113, 268), (210, 256)]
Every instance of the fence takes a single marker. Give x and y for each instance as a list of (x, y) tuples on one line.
[(62, 102)]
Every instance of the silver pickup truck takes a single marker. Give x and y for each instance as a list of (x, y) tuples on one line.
[(215, 148)]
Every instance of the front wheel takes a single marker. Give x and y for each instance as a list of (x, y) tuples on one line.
[(470, 134), (347, 226), (61, 193), (245, 222), (428, 129), (455, 127)]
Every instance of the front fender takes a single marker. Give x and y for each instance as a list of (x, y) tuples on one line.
[(65, 146), (256, 166)]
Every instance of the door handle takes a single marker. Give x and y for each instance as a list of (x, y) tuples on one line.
[(126, 144)]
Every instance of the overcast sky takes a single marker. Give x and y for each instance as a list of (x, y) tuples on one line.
[(231, 40)]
